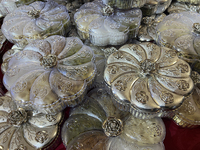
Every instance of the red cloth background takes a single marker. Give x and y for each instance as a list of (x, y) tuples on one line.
[(177, 138)]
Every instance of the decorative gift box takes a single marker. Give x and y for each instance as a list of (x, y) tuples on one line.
[(35, 21), (97, 124), (147, 80), (50, 74), (104, 25)]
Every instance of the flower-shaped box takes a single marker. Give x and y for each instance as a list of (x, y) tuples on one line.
[(177, 7), (125, 4), (190, 1), (35, 21), (188, 114), (181, 31), (146, 79), (147, 31), (26, 130), (104, 25), (97, 124), (50, 74), (155, 7), (8, 6)]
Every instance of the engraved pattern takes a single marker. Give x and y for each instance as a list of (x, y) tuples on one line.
[(40, 93), (183, 68), (21, 147), (182, 85), (17, 117), (12, 71), (41, 136), (50, 118), (167, 97), (154, 130), (142, 97), (188, 108), (112, 126), (19, 86)]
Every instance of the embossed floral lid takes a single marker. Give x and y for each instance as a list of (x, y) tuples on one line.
[(104, 25), (97, 125), (121, 4), (147, 31), (188, 114), (181, 31), (37, 20), (26, 130), (177, 7), (190, 1), (146, 79), (50, 74), (153, 7)]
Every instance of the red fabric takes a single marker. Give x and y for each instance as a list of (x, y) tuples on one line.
[(177, 138)]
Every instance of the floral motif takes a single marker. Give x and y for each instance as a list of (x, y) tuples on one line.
[(49, 61), (17, 117), (41, 136), (141, 97), (154, 130), (147, 78), (21, 147), (183, 85), (112, 126), (50, 118), (167, 97)]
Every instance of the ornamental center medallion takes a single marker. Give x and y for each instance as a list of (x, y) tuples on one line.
[(17, 117), (112, 126), (148, 67), (49, 61), (34, 13), (108, 10)]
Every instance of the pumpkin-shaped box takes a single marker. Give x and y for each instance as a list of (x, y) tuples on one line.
[(190, 1), (146, 79), (104, 25), (188, 114), (8, 6), (155, 7), (97, 124), (26, 130), (125, 4), (35, 21), (181, 31), (50, 74)]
